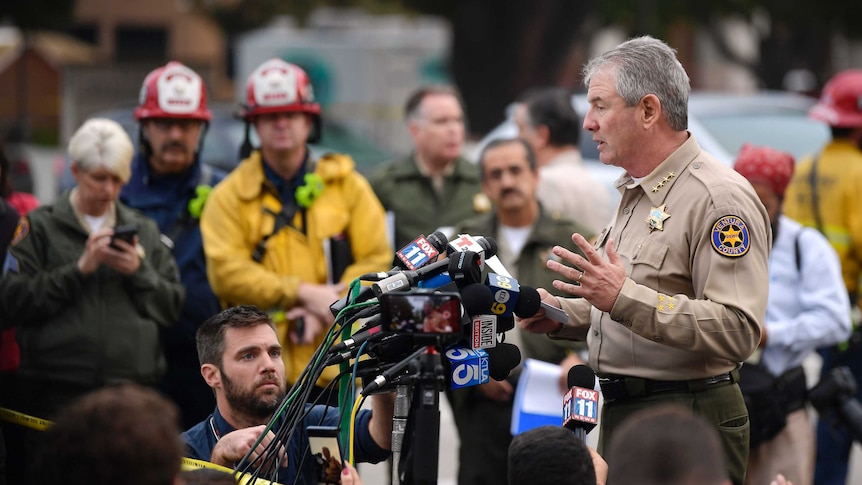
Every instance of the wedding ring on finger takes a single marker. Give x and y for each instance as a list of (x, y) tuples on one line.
[(579, 277)]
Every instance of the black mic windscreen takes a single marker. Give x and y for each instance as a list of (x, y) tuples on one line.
[(464, 268), (491, 248), (502, 359), (528, 303), (438, 240), (581, 376), (477, 299)]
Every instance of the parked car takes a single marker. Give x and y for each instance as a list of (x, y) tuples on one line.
[(721, 123), (227, 131)]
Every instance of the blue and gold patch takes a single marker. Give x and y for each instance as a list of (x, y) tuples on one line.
[(21, 231), (730, 236)]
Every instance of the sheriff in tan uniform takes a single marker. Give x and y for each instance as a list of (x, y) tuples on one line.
[(675, 289), (694, 293)]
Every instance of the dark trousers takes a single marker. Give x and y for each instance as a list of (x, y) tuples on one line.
[(834, 442), (722, 406), (483, 430)]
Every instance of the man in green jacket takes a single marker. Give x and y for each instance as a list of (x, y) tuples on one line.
[(525, 234), (434, 187)]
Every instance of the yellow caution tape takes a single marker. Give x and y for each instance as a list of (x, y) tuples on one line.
[(192, 464), (25, 420)]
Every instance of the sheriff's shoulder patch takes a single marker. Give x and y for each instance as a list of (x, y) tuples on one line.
[(21, 231), (730, 236)]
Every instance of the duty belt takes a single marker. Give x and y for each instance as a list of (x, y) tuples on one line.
[(625, 387)]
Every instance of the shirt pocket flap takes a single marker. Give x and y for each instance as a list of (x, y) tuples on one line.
[(650, 253)]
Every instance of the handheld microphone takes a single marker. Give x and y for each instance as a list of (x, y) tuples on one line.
[(416, 254), (404, 280), (581, 402), (420, 251), (510, 298), (372, 327), (486, 246), (504, 357)]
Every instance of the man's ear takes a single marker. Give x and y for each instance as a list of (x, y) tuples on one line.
[(413, 129), (651, 110), (211, 375), (544, 135)]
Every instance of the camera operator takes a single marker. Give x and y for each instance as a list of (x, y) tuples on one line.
[(807, 309)]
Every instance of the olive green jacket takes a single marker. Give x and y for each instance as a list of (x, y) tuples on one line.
[(418, 208)]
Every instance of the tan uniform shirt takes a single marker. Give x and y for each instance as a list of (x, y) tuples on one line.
[(695, 297)]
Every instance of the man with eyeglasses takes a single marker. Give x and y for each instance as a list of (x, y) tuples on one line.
[(170, 184)]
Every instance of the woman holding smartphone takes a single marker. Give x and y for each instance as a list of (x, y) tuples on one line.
[(88, 307)]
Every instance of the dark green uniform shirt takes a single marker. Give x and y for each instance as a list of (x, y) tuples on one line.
[(418, 208)]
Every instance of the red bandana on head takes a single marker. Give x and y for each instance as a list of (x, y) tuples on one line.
[(765, 165)]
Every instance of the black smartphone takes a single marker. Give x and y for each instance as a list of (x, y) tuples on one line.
[(326, 451), (435, 312), (126, 233)]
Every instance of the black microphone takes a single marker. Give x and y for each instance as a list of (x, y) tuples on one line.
[(581, 402), (466, 367), (464, 264), (465, 268), (384, 377), (504, 357), (404, 280)]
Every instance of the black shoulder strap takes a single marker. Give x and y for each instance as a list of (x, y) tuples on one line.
[(815, 195), (285, 217)]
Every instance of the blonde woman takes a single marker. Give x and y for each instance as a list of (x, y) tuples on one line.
[(88, 307)]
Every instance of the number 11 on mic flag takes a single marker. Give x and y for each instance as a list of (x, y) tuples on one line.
[(580, 410)]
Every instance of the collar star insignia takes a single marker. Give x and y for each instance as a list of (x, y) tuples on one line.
[(665, 180), (657, 216)]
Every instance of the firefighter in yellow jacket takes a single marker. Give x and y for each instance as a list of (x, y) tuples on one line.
[(266, 225)]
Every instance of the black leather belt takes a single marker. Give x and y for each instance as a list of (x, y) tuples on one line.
[(625, 387)]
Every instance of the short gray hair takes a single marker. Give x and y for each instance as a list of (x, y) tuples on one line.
[(646, 65), (101, 142)]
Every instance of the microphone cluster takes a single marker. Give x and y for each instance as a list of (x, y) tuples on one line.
[(435, 319)]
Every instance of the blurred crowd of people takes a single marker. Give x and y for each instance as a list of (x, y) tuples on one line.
[(162, 308)]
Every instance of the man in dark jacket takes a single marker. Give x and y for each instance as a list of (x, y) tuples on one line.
[(170, 185)]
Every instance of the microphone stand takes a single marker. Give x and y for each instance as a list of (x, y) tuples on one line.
[(399, 427), (426, 412)]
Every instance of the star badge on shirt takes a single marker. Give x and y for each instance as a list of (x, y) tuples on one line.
[(657, 216)]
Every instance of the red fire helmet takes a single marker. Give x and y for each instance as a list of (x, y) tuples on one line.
[(173, 91)]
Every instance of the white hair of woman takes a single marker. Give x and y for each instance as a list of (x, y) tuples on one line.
[(101, 142)]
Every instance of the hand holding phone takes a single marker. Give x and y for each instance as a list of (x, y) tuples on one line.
[(326, 450), (125, 233)]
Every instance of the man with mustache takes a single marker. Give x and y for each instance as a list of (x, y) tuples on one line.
[(241, 361), (169, 184), (525, 233)]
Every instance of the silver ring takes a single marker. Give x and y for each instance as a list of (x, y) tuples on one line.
[(579, 277)]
